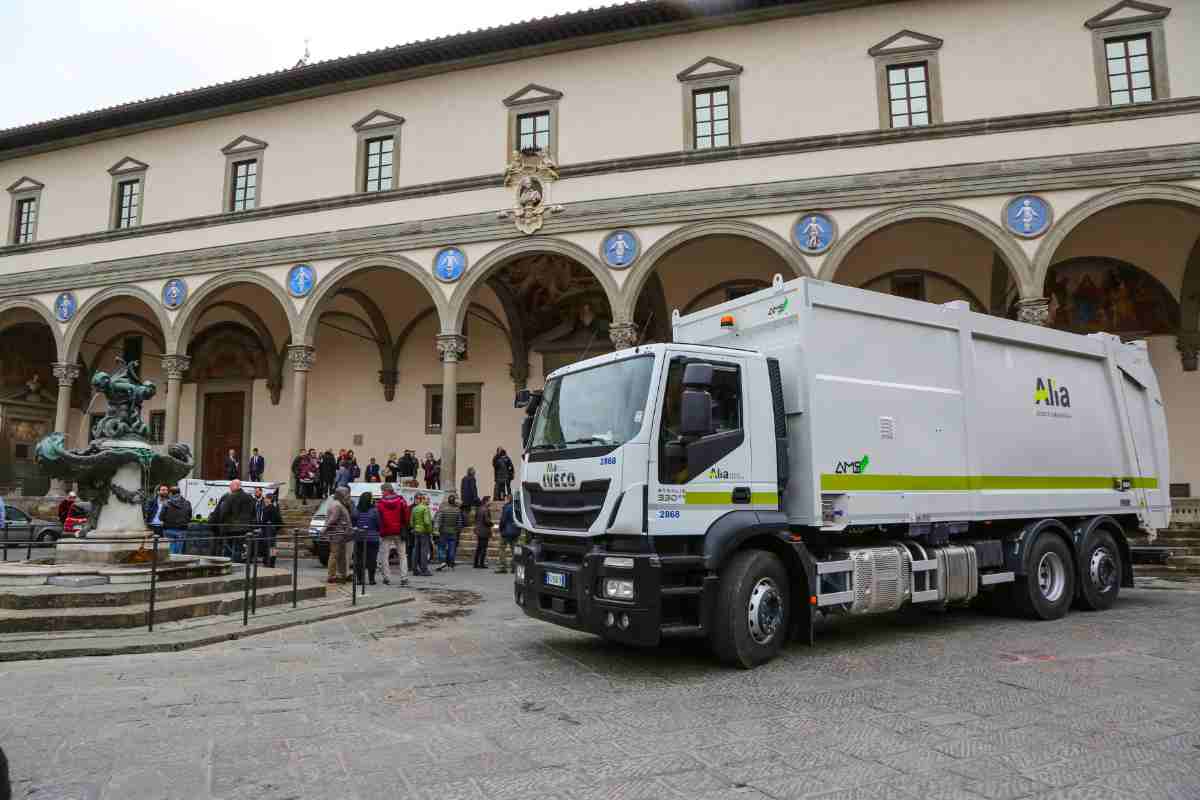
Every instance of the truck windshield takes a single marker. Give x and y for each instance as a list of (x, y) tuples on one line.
[(603, 405)]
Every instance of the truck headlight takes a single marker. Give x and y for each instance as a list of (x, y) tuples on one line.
[(618, 589), (519, 573)]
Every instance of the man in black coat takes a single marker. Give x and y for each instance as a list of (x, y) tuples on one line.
[(269, 521), (327, 471), (257, 466), (234, 514), (233, 469)]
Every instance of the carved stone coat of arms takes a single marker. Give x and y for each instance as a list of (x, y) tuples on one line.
[(531, 172)]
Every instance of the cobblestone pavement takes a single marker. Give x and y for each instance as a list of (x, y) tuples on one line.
[(458, 696)]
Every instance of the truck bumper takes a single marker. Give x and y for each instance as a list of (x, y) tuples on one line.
[(580, 604)]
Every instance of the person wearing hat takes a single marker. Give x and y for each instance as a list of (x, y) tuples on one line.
[(65, 506)]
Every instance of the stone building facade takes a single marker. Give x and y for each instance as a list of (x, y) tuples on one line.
[(317, 257)]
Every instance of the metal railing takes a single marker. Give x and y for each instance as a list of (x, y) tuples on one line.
[(235, 542)]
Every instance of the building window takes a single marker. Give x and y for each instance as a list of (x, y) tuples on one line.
[(1180, 490), (129, 203), (710, 104), (533, 131), (711, 121), (243, 189), (379, 164), (158, 426), (1130, 78), (26, 222), (908, 94), (532, 120), (910, 286), (244, 183), (469, 395)]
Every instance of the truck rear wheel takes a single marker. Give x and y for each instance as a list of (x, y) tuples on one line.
[(1099, 572), (750, 622), (1047, 590)]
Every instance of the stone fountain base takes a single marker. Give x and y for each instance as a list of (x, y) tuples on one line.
[(119, 547)]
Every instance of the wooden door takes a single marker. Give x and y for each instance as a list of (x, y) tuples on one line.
[(223, 421)]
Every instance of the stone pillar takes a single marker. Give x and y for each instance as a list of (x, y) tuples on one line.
[(1034, 310), (302, 357), (66, 374), (623, 334), (174, 367), (1188, 345), (451, 347)]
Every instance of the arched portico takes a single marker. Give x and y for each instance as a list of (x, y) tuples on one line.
[(85, 319), (1008, 249), (646, 266), (197, 304), (38, 310)]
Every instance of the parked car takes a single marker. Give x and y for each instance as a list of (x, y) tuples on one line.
[(20, 527), (77, 518)]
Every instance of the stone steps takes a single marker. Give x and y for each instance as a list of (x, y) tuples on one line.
[(134, 615), (1182, 540), (113, 595)]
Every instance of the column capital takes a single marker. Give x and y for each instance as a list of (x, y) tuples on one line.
[(623, 334), (520, 375), (176, 366), (1188, 345), (66, 372), (389, 378), (1034, 310), (302, 356), (451, 346)]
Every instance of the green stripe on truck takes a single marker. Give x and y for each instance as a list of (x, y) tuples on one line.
[(965, 483), (726, 498)]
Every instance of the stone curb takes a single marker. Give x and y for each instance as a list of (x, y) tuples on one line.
[(177, 640)]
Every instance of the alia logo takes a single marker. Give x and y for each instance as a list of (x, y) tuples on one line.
[(779, 310), (1048, 392), (853, 467)]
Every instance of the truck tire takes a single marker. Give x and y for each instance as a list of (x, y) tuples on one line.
[(1099, 572), (1048, 589), (750, 622)]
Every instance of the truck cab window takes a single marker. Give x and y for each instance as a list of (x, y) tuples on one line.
[(681, 458)]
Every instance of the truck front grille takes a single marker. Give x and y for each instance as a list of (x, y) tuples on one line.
[(573, 510)]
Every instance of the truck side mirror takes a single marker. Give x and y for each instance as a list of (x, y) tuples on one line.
[(522, 399), (696, 417)]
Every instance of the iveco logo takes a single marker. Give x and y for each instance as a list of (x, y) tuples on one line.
[(553, 479)]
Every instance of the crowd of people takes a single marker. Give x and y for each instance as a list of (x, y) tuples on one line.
[(317, 476)]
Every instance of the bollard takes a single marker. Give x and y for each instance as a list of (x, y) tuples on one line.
[(354, 579), (153, 582), (254, 581), (28, 546), (246, 587), (295, 563), (5, 538)]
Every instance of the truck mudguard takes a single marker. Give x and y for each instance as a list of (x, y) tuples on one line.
[(1016, 549), (727, 533)]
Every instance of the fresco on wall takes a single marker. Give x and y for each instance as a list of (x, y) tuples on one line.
[(1088, 295), (561, 303)]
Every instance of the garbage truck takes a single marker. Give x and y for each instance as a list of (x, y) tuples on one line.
[(815, 449)]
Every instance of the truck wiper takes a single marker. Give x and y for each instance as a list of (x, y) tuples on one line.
[(590, 440), (546, 446)]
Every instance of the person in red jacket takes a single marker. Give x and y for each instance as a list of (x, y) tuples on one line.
[(393, 522)]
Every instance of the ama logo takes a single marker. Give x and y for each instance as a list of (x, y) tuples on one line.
[(779, 310), (852, 467), (1049, 393)]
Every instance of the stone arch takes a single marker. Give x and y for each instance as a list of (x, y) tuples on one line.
[(79, 327), (753, 284), (1153, 192), (43, 313), (329, 285), (275, 352), (1189, 292), (478, 274), (646, 265), (1014, 258), (195, 307), (955, 282)]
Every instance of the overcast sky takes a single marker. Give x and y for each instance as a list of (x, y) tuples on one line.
[(67, 56)]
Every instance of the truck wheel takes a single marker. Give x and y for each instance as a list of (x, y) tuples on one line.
[(1099, 572), (1047, 591), (751, 619)]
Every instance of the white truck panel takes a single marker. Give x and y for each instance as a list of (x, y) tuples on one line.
[(903, 411)]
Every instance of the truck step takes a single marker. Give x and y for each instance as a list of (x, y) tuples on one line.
[(680, 562), (682, 630), (681, 591)]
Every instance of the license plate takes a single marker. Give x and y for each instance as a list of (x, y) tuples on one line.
[(556, 579)]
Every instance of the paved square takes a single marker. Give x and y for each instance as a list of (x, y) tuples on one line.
[(459, 696)]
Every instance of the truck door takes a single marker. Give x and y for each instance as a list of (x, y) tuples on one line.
[(695, 480)]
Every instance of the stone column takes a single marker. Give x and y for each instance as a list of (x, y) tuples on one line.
[(66, 374), (174, 367), (450, 347), (623, 334), (1188, 345), (1034, 310), (302, 357)]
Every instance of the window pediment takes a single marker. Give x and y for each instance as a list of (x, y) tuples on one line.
[(244, 144), (905, 41), (1127, 11), (378, 119), (127, 165), (532, 93), (710, 67), (25, 184)]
